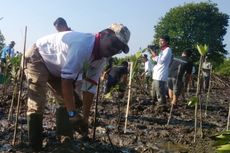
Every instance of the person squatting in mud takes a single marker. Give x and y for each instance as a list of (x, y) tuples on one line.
[(57, 61), (117, 76)]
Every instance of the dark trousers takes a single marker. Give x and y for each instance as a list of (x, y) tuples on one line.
[(160, 91)]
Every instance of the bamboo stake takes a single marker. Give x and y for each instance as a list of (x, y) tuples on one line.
[(95, 111), (170, 114), (119, 114), (195, 124), (208, 94), (129, 93), (20, 90), (228, 117), (12, 101), (201, 126), (197, 95)]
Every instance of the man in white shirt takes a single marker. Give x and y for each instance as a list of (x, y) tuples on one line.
[(147, 71), (58, 60), (206, 72), (153, 49), (160, 70)]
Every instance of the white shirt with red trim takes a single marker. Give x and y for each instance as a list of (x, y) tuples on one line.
[(160, 70), (68, 54)]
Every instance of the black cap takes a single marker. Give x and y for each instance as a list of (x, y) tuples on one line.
[(60, 21)]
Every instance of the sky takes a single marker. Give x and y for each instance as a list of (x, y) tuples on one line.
[(90, 16)]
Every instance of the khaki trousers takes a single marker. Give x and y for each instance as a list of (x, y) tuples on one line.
[(38, 77)]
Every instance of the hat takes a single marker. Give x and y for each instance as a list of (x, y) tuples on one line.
[(60, 21), (122, 33)]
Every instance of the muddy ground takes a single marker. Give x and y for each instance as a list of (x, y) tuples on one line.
[(147, 130)]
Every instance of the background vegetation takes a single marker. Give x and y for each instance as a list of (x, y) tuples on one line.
[(192, 24), (2, 39)]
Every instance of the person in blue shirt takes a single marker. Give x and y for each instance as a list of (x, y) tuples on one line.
[(7, 51)]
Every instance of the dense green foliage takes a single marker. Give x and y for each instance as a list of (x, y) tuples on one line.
[(11, 69), (224, 68), (192, 24)]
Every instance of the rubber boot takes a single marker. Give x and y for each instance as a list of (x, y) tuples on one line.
[(64, 128), (34, 122)]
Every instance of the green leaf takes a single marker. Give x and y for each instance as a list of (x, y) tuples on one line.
[(220, 142), (194, 100), (203, 49), (224, 148), (223, 133), (206, 48), (223, 136), (108, 96), (138, 54), (144, 50)]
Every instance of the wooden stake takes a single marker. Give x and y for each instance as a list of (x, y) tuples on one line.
[(12, 101), (208, 94), (170, 114), (20, 90), (228, 117), (95, 111), (197, 95), (171, 109), (129, 93)]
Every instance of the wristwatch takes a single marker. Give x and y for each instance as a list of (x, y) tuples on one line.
[(72, 113)]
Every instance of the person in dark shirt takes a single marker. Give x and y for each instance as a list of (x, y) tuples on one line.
[(61, 25), (104, 76), (179, 72), (117, 75), (107, 69)]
